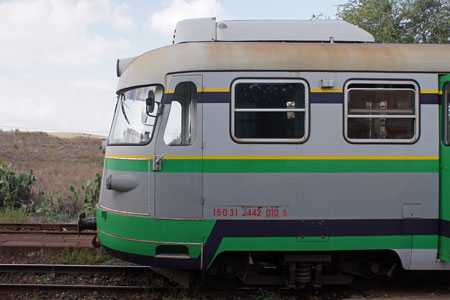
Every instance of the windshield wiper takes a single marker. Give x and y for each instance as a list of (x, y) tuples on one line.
[(123, 111)]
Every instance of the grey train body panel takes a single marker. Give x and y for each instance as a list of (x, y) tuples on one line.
[(322, 195), (136, 200), (223, 79), (325, 195)]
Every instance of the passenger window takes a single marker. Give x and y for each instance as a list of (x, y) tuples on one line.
[(181, 125), (381, 112), (269, 111), (446, 108)]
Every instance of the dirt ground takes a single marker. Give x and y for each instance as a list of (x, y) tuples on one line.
[(56, 162)]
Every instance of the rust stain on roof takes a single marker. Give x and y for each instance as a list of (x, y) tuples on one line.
[(151, 67)]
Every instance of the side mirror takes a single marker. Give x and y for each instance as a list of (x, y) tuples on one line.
[(150, 102), (103, 146)]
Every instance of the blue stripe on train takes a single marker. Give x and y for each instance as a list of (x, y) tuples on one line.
[(316, 98)]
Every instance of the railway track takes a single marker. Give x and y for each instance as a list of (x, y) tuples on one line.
[(75, 272), (18, 235), (47, 228), (33, 235), (17, 287), (65, 269), (80, 278)]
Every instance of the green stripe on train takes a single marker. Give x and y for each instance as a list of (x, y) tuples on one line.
[(277, 166), (140, 248), (285, 244), (127, 165), (444, 248), (332, 243), (318, 166)]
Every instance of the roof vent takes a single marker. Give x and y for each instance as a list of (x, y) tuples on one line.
[(329, 31)]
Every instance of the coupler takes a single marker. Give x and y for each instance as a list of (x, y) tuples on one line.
[(88, 224)]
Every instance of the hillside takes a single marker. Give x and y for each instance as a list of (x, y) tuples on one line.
[(57, 162)]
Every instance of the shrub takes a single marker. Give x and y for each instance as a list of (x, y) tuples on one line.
[(57, 205), (15, 189), (91, 194)]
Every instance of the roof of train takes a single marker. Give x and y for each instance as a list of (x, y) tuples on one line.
[(152, 67)]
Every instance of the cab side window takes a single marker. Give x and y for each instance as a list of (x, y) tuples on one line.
[(269, 111), (446, 111), (381, 112), (181, 125)]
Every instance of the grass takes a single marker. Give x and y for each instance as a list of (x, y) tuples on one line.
[(87, 256), (52, 218), (12, 215)]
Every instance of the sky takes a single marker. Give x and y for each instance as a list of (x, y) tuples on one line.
[(58, 57)]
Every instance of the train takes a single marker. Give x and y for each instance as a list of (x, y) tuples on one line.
[(282, 153)]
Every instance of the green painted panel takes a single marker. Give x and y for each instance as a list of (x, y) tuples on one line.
[(444, 248), (276, 166), (147, 228), (127, 165), (444, 175), (196, 231), (127, 246), (444, 179), (425, 241), (318, 166), (140, 248), (181, 165), (442, 80), (334, 243)]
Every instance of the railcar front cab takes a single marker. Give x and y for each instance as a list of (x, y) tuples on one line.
[(132, 177)]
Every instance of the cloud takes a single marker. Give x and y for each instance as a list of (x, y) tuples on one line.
[(121, 18), (58, 33), (165, 20), (80, 105)]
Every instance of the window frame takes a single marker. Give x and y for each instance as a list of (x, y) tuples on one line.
[(119, 94), (192, 111), (445, 114), (415, 116), (233, 110)]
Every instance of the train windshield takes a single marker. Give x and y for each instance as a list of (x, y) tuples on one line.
[(136, 114)]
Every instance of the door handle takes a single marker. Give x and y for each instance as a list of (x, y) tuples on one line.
[(157, 162)]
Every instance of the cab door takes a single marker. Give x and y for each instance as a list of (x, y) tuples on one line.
[(177, 162), (444, 171)]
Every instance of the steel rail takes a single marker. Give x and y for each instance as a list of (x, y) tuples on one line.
[(69, 269), (48, 226), (86, 232), (61, 268), (41, 286), (37, 228)]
